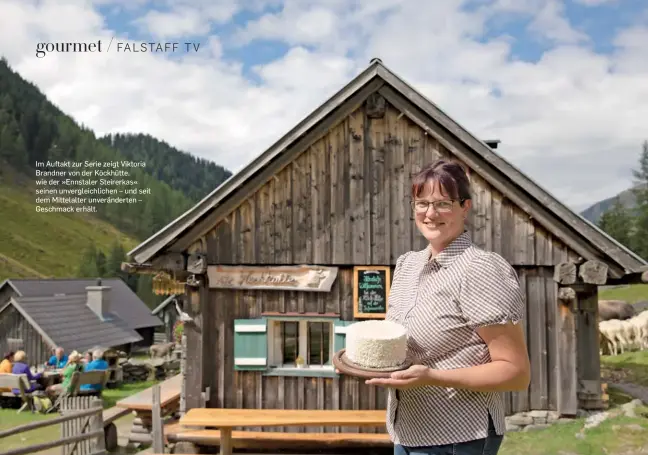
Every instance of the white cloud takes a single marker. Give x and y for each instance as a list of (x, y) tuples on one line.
[(595, 2), (558, 118)]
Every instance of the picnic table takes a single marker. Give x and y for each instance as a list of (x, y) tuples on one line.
[(141, 404), (227, 419)]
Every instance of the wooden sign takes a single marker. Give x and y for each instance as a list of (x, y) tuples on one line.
[(370, 291), (308, 278)]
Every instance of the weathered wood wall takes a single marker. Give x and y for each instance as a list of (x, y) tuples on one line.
[(249, 389), (14, 325), (345, 201)]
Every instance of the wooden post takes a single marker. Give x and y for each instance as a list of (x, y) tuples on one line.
[(158, 425), (566, 373), (194, 362), (183, 372), (587, 343), (97, 447), (225, 441)]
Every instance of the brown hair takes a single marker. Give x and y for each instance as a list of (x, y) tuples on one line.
[(450, 175)]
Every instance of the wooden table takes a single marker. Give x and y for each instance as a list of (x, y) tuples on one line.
[(141, 404), (227, 419)]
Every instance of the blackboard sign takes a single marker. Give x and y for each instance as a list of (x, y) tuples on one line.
[(370, 291)]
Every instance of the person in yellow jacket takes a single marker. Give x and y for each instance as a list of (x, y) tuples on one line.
[(5, 367)]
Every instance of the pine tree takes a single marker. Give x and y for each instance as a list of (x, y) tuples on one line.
[(617, 223), (88, 267), (116, 256), (639, 238)]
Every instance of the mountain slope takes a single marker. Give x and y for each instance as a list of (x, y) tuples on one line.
[(594, 212), (194, 177), (46, 245), (33, 130)]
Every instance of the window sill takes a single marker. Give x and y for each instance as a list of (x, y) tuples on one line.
[(326, 372)]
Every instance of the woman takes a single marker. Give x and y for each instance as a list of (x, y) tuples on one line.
[(5, 367), (20, 366), (461, 307), (73, 365)]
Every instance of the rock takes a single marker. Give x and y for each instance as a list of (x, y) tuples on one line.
[(519, 419), (629, 408), (582, 413), (539, 420), (538, 414), (536, 427), (512, 428), (552, 416)]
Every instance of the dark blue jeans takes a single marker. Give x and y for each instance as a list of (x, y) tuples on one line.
[(487, 446)]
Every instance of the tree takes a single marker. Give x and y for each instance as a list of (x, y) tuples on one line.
[(116, 256), (617, 222), (88, 266), (639, 236)]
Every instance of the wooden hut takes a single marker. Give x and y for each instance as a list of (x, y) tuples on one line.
[(275, 258)]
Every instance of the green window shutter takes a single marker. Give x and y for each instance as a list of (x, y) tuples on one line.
[(250, 344), (340, 334)]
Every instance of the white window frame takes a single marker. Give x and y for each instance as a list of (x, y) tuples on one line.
[(275, 346)]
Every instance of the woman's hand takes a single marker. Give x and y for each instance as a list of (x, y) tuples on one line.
[(414, 376)]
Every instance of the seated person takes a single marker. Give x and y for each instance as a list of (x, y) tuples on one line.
[(97, 363), (20, 366), (6, 366), (58, 360), (74, 365)]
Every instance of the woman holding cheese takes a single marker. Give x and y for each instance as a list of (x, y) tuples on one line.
[(462, 307)]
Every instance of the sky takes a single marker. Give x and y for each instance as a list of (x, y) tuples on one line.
[(563, 84)]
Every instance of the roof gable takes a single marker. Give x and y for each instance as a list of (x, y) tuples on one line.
[(124, 302), (66, 321), (578, 233)]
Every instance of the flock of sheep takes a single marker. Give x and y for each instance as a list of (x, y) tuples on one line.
[(622, 326)]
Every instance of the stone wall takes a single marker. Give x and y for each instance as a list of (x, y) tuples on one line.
[(538, 419)]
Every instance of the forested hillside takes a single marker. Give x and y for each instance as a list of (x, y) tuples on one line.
[(36, 244), (194, 177), (33, 129), (629, 224)]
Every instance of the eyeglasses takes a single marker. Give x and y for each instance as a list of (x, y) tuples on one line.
[(439, 206)]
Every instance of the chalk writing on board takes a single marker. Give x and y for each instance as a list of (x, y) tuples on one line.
[(371, 290)]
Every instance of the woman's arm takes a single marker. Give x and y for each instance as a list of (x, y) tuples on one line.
[(509, 369)]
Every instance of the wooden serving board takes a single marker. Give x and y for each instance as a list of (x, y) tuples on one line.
[(345, 366)]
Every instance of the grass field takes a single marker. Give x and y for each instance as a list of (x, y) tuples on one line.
[(631, 294), (10, 418), (45, 244)]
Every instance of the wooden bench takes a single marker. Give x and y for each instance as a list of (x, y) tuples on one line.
[(258, 440), (141, 404), (224, 420), (20, 382)]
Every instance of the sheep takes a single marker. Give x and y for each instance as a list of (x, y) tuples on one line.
[(615, 309), (612, 333), (161, 350), (640, 324)]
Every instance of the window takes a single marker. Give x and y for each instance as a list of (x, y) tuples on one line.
[(310, 340)]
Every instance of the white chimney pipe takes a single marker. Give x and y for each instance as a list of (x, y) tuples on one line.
[(99, 300)]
